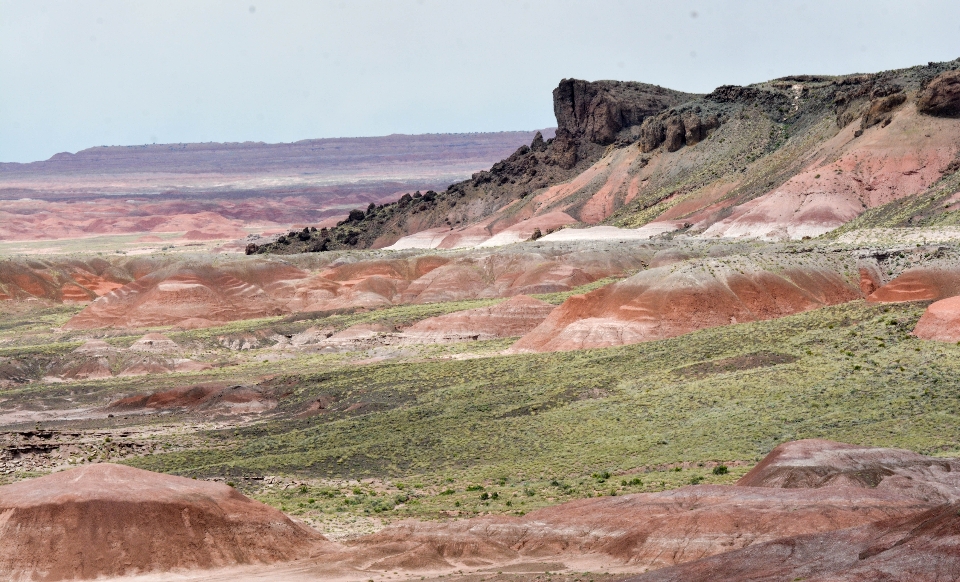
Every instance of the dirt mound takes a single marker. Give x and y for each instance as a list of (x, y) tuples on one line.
[(512, 318), (154, 342), (208, 398), (176, 294), (112, 520), (817, 463), (922, 548), (941, 321), (919, 284), (670, 301)]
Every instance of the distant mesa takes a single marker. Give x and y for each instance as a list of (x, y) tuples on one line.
[(108, 520)]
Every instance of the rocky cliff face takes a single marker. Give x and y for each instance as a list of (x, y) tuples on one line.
[(590, 117)]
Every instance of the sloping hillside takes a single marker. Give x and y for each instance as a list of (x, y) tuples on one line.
[(592, 118), (790, 158)]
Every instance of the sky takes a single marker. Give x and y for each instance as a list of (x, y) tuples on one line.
[(83, 73)]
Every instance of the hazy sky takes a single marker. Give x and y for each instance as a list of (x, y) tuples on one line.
[(77, 73)]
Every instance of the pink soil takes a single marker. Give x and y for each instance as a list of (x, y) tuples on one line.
[(814, 463), (941, 321), (921, 548), (883, 165), (919, 284), (173, 295), (193, 295), (667, 301)]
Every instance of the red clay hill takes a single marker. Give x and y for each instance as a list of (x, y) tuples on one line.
[(941, 321), (111, 520), (673, 300)]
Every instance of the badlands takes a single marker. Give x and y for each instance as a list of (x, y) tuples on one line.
[(682, 337)]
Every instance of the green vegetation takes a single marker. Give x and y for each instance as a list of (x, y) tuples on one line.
[(848, 372)]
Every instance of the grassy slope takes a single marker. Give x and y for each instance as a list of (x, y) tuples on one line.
[(519, 422)]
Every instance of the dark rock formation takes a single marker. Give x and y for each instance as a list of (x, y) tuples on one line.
[(590, 115), (882, 104), (598, 111), (941, 97), (675, 129)]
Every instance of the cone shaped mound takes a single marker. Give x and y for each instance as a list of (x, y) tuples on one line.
[(112, 520), (941, 321)]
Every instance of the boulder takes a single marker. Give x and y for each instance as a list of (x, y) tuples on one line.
[(941, 97)]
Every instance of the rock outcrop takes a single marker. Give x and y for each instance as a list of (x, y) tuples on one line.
[(590, 116), (110, 520), (600, 110), (675, 129), (941, 97)]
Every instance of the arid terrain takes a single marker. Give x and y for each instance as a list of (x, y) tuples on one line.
[(165, 196), (687, 337)]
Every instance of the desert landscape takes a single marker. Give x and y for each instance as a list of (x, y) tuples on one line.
[(678, 337)]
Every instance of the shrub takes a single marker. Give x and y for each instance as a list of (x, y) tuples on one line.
[(720, 470)]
